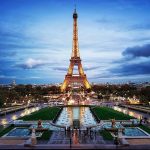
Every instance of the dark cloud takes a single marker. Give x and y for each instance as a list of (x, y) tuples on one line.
[(25, 66), (128, 67), (137, 51), (141, 68)]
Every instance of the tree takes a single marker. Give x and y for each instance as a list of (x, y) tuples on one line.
[(1, 102)]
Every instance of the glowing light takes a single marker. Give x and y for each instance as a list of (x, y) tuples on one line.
[(37, 108), (14, 117), (22, 114), (71, 102), (131, 113), (4, 122)]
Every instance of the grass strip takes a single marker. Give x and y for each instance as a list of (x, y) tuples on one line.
[(48, 113), (105, 113), (46, 135), (6, 130), (106, 135), (145, 128)]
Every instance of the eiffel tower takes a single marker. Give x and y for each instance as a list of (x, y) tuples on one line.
[(75, 60)]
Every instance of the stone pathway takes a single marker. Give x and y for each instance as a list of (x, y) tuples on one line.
[(59, 137), (138, 141), (11, 142)]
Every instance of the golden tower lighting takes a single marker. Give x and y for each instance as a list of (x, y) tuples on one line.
[(75, 61)]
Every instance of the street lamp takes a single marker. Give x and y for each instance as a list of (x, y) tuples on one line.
[(5, 109)]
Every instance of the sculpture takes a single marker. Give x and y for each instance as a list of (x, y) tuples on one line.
[(113, 122), (39, 124), (33, 137)]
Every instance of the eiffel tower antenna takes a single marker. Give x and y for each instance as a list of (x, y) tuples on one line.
[(75, 5)]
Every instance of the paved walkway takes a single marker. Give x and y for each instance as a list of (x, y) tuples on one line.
[(138, 141), (81, 146), (11, 142), (77, 138)]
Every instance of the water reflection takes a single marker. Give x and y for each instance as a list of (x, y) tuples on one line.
[(70, 113), (132, 113)]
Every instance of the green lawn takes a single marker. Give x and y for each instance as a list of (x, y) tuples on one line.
[(48, 113), (105, 113), (106, 135), (147, 129), (1, 128), (46, 135), (6, 130)]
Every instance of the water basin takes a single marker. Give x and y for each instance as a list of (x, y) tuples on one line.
[(47, 126), (108, 125), (134, 131), (21, 132)]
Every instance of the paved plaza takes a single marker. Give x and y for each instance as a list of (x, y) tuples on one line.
[(60, 137)]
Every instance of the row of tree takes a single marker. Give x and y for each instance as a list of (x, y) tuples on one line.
[(23, 93), (125, 90), (20, 93)]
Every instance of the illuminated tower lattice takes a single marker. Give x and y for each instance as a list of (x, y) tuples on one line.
[(75, 60)]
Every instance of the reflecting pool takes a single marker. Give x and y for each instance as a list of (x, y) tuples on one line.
[(83, 114), (21, 132), (108, 125), (129, 131)]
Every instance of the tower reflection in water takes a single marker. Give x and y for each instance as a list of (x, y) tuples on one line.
[(69, 114)]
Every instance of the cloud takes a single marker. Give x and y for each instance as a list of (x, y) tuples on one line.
[(140, 26), (65, 69), (137, 51), (60, 69), (135, 61), (31, 63), (132, 69)]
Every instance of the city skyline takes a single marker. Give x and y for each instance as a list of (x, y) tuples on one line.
[(36, 40)]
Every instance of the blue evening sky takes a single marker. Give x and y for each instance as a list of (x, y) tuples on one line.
[(36, 40)]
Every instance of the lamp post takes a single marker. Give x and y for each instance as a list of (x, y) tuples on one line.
[(5, 109)]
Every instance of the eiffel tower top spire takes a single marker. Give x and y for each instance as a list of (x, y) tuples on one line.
[(75, 12), (75, 45)]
